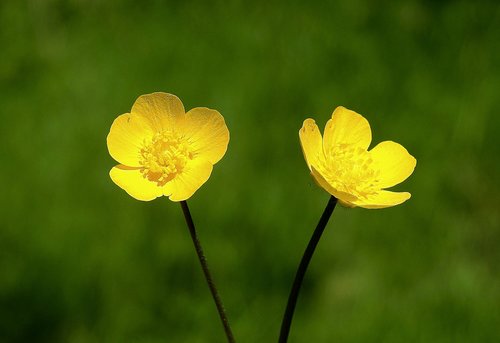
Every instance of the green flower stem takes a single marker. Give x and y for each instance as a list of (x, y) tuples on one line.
[(206, 272), (301, 271)]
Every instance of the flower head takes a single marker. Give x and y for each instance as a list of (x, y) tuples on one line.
[(164, 151), (342, 165)]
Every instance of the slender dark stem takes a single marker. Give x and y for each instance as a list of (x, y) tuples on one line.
[(301, 271), (206, 272)]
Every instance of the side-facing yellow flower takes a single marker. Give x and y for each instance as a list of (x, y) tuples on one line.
[(164, 151), (342, 165)]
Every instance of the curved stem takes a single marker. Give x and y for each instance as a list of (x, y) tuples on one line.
[(206, 272), (301, 271)]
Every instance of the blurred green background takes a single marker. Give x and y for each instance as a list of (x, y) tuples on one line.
[(81, 261)]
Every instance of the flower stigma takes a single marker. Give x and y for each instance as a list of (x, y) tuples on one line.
[(164, 156)]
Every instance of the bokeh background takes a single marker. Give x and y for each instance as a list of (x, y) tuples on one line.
[(80, 261)]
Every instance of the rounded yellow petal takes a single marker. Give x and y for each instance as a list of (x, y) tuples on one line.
[(311, 142), (323, 183), (347, 127), (134, 183), (394, 162), (382, 199), (207, 133), (126, 138), (185, 184), (162, 110)]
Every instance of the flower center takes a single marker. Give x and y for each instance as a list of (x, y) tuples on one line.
[(350, 169), (164, 156)]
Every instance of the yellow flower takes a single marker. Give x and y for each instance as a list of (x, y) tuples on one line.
[(342, 165), (164, 151)]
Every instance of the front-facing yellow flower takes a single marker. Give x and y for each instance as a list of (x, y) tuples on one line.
[(342, 165), (164, 151)]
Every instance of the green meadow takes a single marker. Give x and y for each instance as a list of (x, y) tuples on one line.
[(81, 261)]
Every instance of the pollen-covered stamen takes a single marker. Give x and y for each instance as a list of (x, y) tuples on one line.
[(351, 170), (164, 156)]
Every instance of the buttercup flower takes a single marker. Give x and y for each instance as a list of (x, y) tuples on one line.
[(342, 165), (164, 151)]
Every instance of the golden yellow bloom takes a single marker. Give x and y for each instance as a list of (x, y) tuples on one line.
[(164, 151), (342, 165)]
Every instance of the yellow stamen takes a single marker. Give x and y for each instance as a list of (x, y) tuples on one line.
[(350, 169), (165, 156)]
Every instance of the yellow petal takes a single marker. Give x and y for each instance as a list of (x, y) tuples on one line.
[(207, 133), (162, 110), (311, 142), (195, 173), (383, 199), (134, 183), (394, 162), (126, 137), (347, 127), (346, 204), (323, 183)]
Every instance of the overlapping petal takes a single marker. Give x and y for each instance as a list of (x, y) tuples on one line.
[(394, 162), (126, 138), (134, 183), (311, 142), (383, 199), (327, 186), (194, 175), (162, 110), (347, 127), (207, 133)]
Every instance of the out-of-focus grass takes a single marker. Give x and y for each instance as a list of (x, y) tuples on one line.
[(80, 261)]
